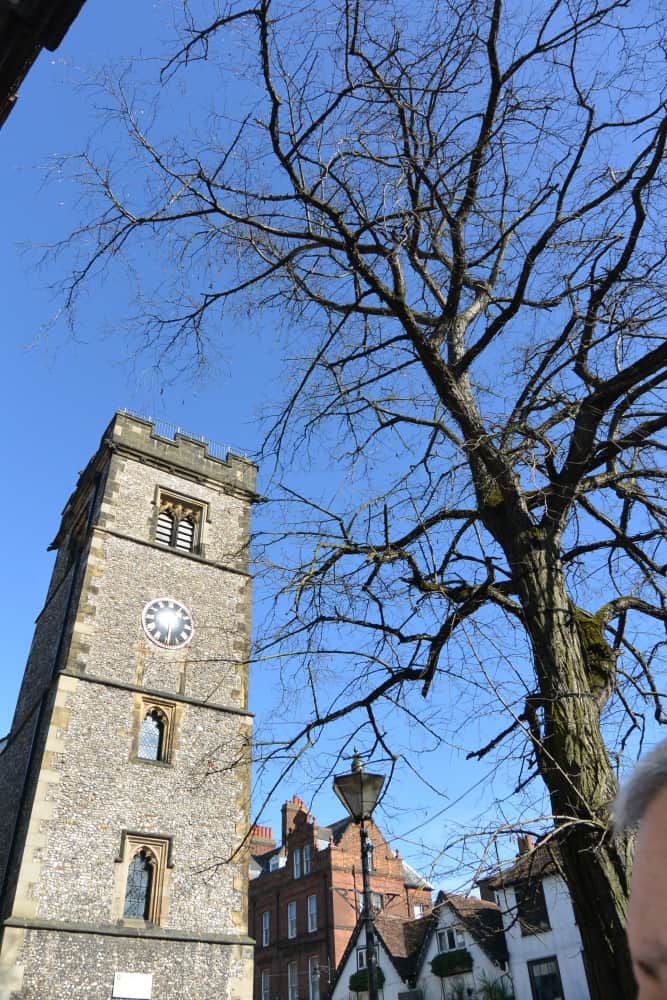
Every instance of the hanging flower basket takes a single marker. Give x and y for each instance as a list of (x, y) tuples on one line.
[(359, 980), (452, 963)]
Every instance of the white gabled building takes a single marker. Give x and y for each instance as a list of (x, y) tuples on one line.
[(543, 940), (399, 945), (464, 951), (519, 941), (451, 953)]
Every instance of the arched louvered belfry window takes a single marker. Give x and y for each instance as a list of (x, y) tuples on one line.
[(165, 527), (139, 886), (185, 534), (152, 736), (178, 523)]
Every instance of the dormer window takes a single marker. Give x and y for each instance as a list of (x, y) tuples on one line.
[(450, 939)]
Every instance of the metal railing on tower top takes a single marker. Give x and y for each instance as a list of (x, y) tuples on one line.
[(163, 428)]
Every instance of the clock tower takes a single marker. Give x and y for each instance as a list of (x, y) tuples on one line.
[(124, 781)]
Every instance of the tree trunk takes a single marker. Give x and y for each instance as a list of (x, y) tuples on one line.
[(596, 870), (571, 659)]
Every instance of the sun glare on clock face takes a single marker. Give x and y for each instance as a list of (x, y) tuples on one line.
[(167, 623), (167, 619)]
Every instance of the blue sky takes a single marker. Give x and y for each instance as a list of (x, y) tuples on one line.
[(61, 389)]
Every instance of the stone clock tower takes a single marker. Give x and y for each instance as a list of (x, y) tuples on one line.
[(124, 782)]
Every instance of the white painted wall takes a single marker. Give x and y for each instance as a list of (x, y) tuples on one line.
[(562, 941), (434, 988), (393, 984)]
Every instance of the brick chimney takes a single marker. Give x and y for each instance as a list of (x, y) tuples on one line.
[(526, 844), (261, 840), (289, 811)]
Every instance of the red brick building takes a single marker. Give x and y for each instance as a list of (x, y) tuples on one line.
[(304, 900)]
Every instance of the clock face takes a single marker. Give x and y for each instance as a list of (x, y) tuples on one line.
[(167, 623)]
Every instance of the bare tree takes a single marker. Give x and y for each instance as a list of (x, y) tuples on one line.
[(457, 206)]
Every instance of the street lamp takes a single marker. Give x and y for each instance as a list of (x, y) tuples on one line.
[(359, 792)]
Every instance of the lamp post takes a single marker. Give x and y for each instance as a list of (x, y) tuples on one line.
[(359, 792)]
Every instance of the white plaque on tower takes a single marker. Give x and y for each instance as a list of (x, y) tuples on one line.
[(133, 985)]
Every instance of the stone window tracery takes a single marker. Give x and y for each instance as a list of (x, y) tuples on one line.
[(138, 885), (151, 735), (154, 730), (142, 878), (179, 522)]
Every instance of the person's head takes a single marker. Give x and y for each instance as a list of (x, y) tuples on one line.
[(642, 802)]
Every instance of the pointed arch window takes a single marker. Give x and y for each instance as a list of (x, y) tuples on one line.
[(152, 736), (143, 877), (165, 527), (155, 724), (138, 887), (185, 534), (179, 522)]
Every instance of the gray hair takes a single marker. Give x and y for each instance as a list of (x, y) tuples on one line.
[(648, 778)]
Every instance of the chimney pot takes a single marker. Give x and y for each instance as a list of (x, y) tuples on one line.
[(526, 843)]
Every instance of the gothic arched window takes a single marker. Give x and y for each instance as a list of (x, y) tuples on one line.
[(139, 886), (151, 736), (142, 878), (179, 522), (164, 527), (185, 534), (154, 730)]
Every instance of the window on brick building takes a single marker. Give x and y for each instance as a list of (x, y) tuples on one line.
[(266, 928), (291, 919), (312, 913), (306, 859), (314, 978), (377, 901), (292, 981), (296, 863), (418, 910), (178, 523), (266, 986)]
